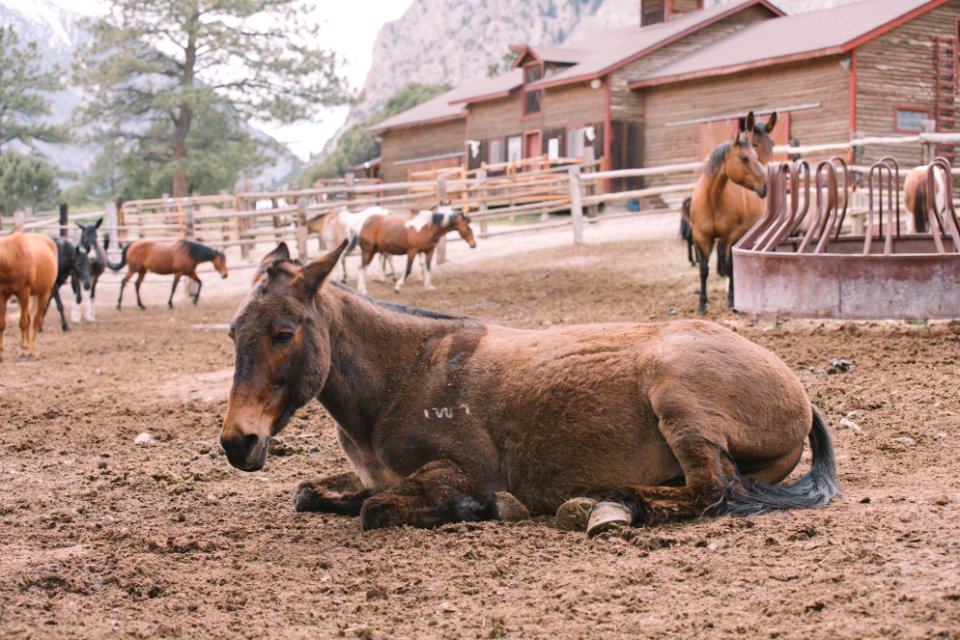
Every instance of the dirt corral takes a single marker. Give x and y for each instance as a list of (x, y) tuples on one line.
[(103, 537)]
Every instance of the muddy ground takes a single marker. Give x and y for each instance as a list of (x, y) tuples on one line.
[(102, 537)]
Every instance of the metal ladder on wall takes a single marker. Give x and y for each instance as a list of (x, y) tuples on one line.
[(945, 91)]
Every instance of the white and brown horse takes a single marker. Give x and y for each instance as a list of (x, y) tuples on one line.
[(448, 419), (343, 224), (400, 235), (28, 270), (916, 197)]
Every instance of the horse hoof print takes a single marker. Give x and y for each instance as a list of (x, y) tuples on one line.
[(605, 516)]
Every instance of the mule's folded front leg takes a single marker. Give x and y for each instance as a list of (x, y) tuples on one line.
[(342, 493), (438, 493)]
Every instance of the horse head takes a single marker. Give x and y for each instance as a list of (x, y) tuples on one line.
[(462, 224), (742, 164), (220, 263), (760, 137), (88, 234), (282, 341)]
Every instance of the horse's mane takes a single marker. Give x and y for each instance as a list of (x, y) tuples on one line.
[(395, 306), (199, 252), (716, 158)]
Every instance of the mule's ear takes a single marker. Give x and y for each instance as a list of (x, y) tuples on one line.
[(317, 271), (771, 122), (78, 224), (99, 222), (750, 123), (280, 253)]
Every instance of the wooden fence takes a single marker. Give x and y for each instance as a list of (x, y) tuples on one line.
[(524, 199)]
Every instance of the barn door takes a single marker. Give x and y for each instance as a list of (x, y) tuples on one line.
[(532, 148)]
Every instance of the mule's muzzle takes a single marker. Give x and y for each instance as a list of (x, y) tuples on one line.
[(245, 452)]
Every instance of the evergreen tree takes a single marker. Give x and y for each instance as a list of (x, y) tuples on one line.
[(154, 66), (21, 103), (25, 181)]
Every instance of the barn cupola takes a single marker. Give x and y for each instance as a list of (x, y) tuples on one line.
[(654, 11)]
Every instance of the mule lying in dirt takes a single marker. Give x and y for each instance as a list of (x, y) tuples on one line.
[(449, 419)]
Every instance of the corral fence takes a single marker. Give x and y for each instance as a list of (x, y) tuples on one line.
[(520, 200)]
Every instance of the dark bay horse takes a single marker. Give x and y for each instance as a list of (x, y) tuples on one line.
[(98, 259), (28, 270), (400, 235), (727, 201), (179, 257), (448, 419), (72, 264)]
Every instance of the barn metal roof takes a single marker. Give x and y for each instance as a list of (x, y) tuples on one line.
[(798, 37), (449, 106), (611, 49)]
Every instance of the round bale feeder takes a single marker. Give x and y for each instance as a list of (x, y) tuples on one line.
[(798, 265)]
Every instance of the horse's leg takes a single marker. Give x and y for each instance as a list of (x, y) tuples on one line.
[(123, 283), (729, 265), (193, 276), (437, 493), (59, 302), (427, 260), (341, 493), (704, 257), (136, 285), (366, 256), (88, 307), (42, 301), (343, 263), (23, 299), (3, 320), (176, 281), (722, 260), (78, 298), (411, 256), (382, 274)]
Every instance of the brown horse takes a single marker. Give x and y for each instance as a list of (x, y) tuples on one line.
[(915, 195), (448, 419), (727, 201), (28, 270), (180, 258), (400, 235)]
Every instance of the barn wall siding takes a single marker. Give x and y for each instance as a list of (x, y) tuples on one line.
[(398, 145), (896, 69), (824, 81)]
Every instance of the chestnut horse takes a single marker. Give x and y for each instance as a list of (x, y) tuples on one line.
[(727, 201), (179, 257), (448, 419), (916, 198), (400, 235), (28, 270)]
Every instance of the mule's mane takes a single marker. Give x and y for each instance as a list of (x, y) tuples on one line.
[(396, 306), (199, 252)]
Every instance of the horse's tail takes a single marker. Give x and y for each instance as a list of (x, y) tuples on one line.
[(815, 489), (920, 209), (123, 260), (354, 239), (106, 240)]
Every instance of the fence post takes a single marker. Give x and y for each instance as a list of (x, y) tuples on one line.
[(302, 228), (482, 196), (188, 223), (243, 204), (576, 204), (64, 219), (591, 158), (442, 197), (350, 179), (112, 224), (18, 220)]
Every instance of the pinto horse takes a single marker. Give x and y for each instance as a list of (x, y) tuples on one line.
[(727, 201), (399, 235), (72, 263), (98, 261), (448, 419), (915, 195), (180, 258), (341, 225), (28, 270)]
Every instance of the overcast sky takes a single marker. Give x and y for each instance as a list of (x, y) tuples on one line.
[(349, 28)]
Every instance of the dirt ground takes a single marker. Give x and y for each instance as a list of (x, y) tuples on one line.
[(105, 538)]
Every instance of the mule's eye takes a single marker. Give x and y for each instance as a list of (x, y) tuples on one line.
[(283, 337)]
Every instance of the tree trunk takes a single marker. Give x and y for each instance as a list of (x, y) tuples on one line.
[(181, 181)]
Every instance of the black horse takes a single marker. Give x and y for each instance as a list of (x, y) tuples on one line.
[(71, 263), (97, 256)]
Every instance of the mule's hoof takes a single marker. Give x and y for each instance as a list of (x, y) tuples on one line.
[(606, 515), (509, 508), (573, 514), (305, 499)]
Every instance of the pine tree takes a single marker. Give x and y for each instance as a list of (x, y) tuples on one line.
[(22, 105)]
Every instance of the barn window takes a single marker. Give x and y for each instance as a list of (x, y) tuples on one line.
[(532, 98), (514, 148), (910, 119), (495, 155), (652, 12)]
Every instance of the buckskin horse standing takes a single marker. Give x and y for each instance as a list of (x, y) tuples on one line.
[(399, 235), (447, 419), (727, 201), (179, 257), (28, 269)]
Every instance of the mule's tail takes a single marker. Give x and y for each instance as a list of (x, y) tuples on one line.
[(749, 497), (920, 209), (123, 260)]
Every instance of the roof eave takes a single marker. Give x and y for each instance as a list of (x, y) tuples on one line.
[(692, 29), (416, 123), (483, 97)]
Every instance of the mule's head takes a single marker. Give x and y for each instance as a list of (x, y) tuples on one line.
[(741, 164), (462, 224), (220, 263), (282, 343)]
